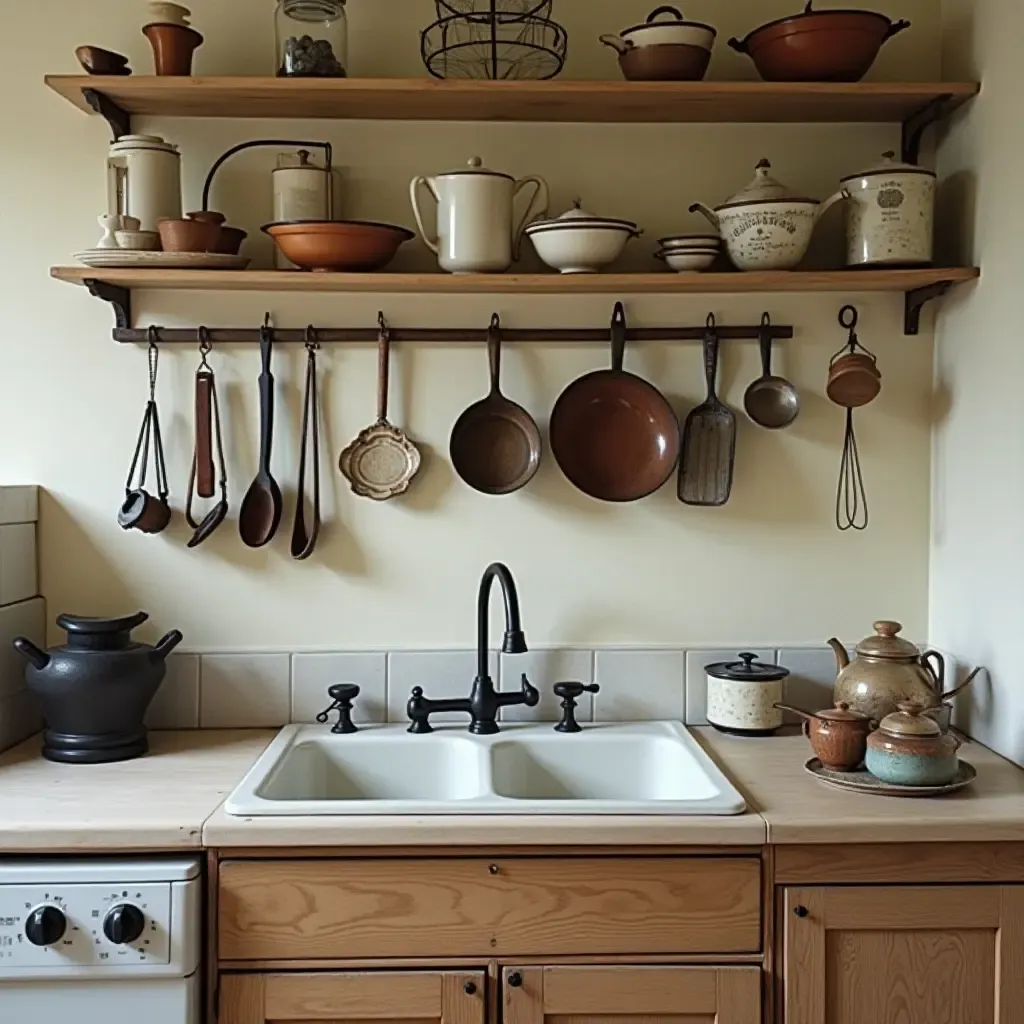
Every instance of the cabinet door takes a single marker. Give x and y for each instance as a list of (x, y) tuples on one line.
[(631, 995), (353, 997), (917, 955)]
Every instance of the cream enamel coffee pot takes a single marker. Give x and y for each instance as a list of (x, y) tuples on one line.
[(477, 232), (144, 180)]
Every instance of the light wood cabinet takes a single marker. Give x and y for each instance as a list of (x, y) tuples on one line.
[(353, 997), (631, 995), (917, 955)]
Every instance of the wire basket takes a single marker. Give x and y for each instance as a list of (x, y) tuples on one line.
[(494, 39)]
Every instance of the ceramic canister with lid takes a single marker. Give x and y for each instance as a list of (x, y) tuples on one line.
[(742, 696), (910, 749), (891, 215), (302, 191), (144, 180)]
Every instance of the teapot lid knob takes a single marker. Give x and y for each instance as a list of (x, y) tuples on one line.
[(888, 628), (475, 162)]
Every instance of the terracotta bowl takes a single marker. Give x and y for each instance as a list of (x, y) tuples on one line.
[(190, 234), (231, 240), (665, 62), (348, 245)]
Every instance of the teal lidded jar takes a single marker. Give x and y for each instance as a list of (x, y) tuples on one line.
[(910, 749)]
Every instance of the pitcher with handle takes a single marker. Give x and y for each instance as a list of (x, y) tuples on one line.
[(477, 232)]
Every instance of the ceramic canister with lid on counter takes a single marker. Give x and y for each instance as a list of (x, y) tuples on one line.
[(742, 696)]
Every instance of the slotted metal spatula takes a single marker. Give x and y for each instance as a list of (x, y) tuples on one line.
[(709, 439)]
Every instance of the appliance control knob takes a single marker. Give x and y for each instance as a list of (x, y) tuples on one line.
[(45, 925), (124, 923)]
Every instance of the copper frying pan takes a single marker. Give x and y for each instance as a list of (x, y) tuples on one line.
[(613, 434)]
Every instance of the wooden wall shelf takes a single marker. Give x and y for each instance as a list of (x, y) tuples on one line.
[(913, 104), (919, 285)]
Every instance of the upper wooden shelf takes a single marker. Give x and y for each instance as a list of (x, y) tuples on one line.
[(427, 99)]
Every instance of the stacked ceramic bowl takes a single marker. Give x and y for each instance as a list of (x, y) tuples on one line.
[(688, 254)]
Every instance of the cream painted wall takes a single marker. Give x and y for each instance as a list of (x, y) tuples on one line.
[(977, 579), (769, 568)]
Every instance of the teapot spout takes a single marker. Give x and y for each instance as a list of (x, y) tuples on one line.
[(707, 213), (36, 658), (166, 645), (808, 715), (617, 43), (842, 658)]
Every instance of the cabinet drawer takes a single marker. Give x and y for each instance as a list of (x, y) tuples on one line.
[(529, 906)]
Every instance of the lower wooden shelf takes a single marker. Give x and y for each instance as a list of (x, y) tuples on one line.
[(526, 284)]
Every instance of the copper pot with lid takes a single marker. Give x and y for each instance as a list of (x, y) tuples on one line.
[(889, 670), (818, 46), (838, 735)]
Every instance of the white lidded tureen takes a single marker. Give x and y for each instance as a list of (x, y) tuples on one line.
[(579, 243), (766, 226), (891, 215)]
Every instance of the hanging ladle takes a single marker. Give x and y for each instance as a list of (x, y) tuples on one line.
[(260, 514), (207, 429), (771, 401), (303, 539)]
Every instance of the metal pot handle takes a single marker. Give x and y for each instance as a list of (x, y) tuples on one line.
[(895, 28), (667, 9), (939, 673)]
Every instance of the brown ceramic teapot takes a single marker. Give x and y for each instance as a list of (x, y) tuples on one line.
[(887, 671), (838, 736)]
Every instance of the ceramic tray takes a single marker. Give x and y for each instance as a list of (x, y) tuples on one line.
[(864, 782), (124, 258)]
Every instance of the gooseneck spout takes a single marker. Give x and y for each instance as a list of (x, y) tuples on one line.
[(842, 658), (484, 702)]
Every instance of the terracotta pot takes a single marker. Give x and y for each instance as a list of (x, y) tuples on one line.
[(173, 47), (190, 234), (818, 46), (839, 737), (325, 245), (231, 240), (665, 62)]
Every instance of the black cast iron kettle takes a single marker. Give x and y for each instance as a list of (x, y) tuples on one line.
[(95, 689)]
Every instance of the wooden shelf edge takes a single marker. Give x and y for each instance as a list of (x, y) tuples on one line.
[(598, 101), (527, 284)]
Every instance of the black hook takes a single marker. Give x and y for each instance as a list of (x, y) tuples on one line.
[(266, 319), (711, 323), (382, 324), (495, 322), (205, 347), (312, 341), (849, 313), (154, 358)]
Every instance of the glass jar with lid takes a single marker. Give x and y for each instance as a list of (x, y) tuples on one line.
[(312, 38)]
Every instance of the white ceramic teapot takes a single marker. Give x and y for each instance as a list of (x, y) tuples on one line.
[(766, 226), (476, 228)]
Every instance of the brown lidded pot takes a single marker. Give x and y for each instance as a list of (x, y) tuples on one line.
[(198, 232), (854, 380), (839, 736)]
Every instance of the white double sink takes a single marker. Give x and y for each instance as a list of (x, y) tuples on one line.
[(643, 768)]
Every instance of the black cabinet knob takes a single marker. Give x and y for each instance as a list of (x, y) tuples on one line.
[(469, 988), (494, 869), (515, 979), (801, 911), (123, 924), (45, 926)]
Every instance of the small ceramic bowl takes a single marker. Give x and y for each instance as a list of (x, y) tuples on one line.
[(189, 235), (130, 223), (687, 261), (691, 242), (98, 61), (231, 240), (140, 241)]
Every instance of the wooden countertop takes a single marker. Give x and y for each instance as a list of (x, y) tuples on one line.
[(172, 798), (157, 802), (800, 809)]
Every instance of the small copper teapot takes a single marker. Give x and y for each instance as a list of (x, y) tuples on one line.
[(839, 736), (888, 671)]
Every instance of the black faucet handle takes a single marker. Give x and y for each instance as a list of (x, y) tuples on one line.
[(570, 694), (342, 695)]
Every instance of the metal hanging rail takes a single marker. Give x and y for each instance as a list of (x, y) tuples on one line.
[(440, 335)]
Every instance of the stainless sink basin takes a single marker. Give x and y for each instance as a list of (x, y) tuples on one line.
[(642, 768)]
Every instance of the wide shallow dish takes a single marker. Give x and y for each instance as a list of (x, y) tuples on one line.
[(818, 46), (112, 259), (642, 768), (863, 781), (579, 243), (342, 245)]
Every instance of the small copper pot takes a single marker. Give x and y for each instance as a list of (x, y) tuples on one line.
[(839, 737), (144, 512), (198, 232)]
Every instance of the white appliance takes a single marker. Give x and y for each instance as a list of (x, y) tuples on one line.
[(90, 941)]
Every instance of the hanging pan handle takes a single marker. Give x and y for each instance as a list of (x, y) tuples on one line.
[(618, 337)]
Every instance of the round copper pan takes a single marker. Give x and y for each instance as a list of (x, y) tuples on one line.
[(613, 434)]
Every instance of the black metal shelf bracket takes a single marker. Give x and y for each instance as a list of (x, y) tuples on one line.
[(915, 300), (118, 118), (119, 298), (919, 122)]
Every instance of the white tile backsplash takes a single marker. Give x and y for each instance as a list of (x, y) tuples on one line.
[(176, 704), (244, 691), (544, 668), (18, 574), (696, 678), (313, 673), (812, 674), (27, 619), (640, 686), (440, 673)]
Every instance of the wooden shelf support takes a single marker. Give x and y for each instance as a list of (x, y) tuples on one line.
[(117, 117), (915, 300)]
